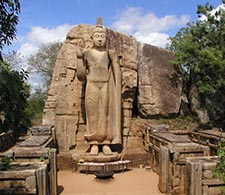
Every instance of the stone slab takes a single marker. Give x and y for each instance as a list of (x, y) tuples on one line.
[(41, 130), (35, 141), (169, 137), (99, 158), (116, 166)]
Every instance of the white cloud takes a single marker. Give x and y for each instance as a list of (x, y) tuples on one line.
[(32, 41), (155, 38), (45, 35), (39, 35), (146, 26), (27, 49)]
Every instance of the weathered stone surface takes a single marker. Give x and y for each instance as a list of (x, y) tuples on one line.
[(25, 178), (195, 107), (35, 166), (158, 92), (172, 159), (158, 128), (101, 70), (142, 65), (65, 161), (35, 141), (41, 130), (200, 178), (64, 107)]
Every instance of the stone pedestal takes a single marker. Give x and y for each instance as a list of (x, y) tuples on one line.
[(100, 158), (93, 167)]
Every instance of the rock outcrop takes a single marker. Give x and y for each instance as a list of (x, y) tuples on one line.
[(159, 91), (64, 107), (146, 77)]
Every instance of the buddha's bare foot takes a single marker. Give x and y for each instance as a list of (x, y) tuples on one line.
[(106, 150), (94, 150)]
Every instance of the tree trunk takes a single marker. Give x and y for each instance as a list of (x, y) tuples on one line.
[(1, 58)]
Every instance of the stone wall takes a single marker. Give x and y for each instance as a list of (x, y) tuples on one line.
[(25, 178), (209, 138), (172, 165), (21, 157), (201, 179), (64, 108)]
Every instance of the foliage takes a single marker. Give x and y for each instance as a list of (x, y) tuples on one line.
[(14, 90), (44, 60), (5, 163), (14, 59), (9, 10), (35, 106), (35, 102), (13, 99), (220, 167), (200, 59)]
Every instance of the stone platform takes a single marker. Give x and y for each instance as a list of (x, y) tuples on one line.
[(92, 167), (99, 158)]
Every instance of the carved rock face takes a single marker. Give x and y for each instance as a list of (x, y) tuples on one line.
[(142, 65), (99, 39)]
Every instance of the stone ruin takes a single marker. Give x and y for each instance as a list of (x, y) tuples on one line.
[(148, 88), (185, 161), (31, 168)]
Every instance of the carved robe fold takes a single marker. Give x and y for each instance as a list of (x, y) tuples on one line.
[(102, 97)]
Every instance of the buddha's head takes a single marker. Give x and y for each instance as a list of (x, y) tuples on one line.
[(99, 34)]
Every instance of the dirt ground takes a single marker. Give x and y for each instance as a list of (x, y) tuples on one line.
[(135, 182)]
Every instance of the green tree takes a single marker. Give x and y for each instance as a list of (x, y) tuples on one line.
[(14, 59), (220, 168), (35, 105), (13, 99), (36, 100), (43, 61), (13, 89), (9, 18), (200, 60)]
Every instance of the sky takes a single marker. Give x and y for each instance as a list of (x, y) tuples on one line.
[(149, 21)]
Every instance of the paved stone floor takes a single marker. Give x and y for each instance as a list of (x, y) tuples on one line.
[(135, 182)]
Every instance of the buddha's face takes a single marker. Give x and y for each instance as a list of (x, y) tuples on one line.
[(99, 39)]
